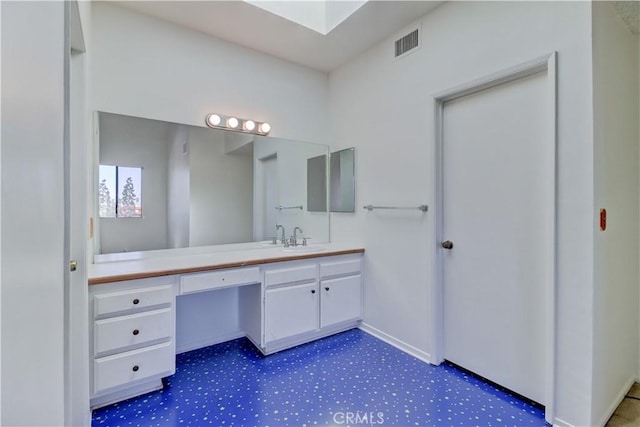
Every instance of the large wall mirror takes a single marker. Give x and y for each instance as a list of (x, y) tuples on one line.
[(167, 185)]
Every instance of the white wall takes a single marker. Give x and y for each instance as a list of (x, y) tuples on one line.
[(178, 199), (32, 213), (463, 41), (1, 102), (221, 191), (616, 277), (178, 75), (130, 141)]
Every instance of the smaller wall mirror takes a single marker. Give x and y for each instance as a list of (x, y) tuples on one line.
[(342, 181)]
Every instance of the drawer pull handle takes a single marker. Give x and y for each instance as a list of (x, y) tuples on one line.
[(326, 289), (136, 301), (136, 332), (313, 291), (135, 368)]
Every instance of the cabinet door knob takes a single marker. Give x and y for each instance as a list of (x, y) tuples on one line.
[(313, 291), (135, 368), (136, 301), (136, 332), (326, 289)]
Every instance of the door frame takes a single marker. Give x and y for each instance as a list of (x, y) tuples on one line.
[(77, 132), (259, 194), (546, 63)]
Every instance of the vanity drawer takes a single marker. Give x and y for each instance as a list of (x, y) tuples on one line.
[(125, 331), (135, 299), (340, 268), (198, 282), (123, 368), (291, 275)]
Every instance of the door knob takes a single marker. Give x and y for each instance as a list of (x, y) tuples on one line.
[(447, 244), (73, 265)]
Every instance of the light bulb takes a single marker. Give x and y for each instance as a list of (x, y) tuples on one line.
[(249, 125), (232, 122), (265, 128), (213, 120)]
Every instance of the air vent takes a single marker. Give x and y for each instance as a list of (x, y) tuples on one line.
[(406, 43)]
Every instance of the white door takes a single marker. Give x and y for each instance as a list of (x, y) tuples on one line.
[(270, 191), (497, 207)]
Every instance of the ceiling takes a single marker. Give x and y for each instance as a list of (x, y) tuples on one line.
[(629, 12), (242, 23)]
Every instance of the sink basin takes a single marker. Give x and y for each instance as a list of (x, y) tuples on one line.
[(304, 249)]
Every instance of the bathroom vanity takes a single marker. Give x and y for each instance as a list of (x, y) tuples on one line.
[(285, 298), (208, 191)]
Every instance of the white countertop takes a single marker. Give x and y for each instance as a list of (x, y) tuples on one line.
[(136, 265)]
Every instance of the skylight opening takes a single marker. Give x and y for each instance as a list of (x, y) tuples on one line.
[(321, 16)]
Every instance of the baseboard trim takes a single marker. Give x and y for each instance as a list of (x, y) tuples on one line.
[(194, 345), (126, 393), (558, 422), (286, 343), (619, 398), (401, 345)]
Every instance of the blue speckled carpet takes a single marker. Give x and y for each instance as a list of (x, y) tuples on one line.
[(347, 379)]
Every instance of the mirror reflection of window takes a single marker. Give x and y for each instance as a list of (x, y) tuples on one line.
[(120, 192)]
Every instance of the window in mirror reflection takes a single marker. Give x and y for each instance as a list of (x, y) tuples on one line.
[(120, 192)]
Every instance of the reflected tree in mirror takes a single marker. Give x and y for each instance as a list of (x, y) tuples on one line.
[(119, 192), (107, 204)]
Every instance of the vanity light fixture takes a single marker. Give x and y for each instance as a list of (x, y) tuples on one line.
[(249, 125), (213, 120), (264, 128), (218, 121), (232, 123)]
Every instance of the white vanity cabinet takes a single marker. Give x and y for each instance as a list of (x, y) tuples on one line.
[(132, 325), (290, 293), (340, 291), (303, 300), (280, 303)]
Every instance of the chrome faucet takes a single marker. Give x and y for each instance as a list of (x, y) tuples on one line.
[(282, 238), (294, 239)]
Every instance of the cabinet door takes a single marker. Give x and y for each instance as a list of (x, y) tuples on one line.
[(290, 310), (341, 300)]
